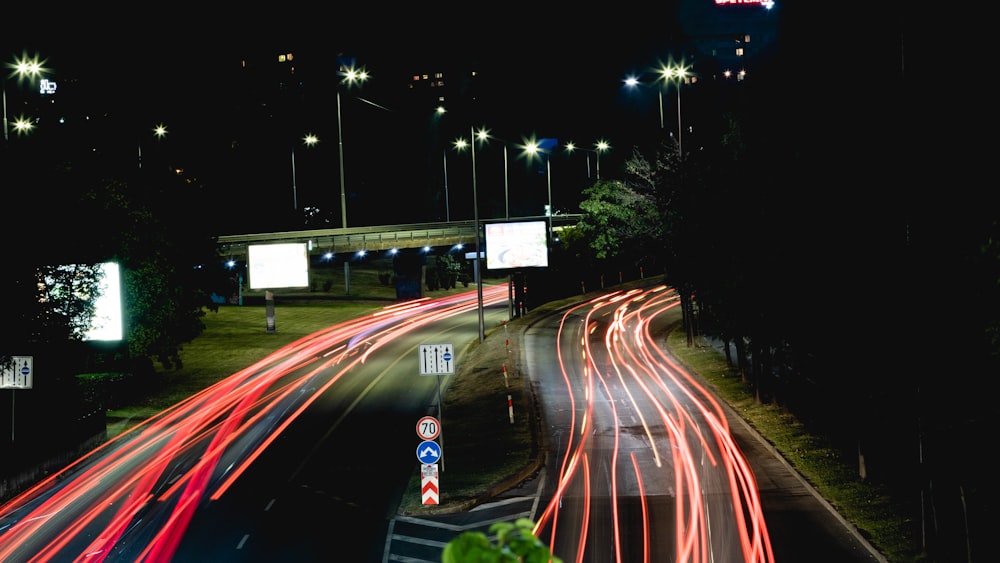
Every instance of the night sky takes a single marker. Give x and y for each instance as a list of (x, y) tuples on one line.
[(176, 66)]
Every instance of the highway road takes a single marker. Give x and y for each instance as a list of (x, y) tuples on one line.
[(642, 462), (300, 457), (305, 456)]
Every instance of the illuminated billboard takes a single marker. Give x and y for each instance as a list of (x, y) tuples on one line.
[(65, 288), (516, 245), (273, 266)]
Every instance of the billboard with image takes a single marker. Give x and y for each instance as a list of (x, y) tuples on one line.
[(516, 245), (66, 289)]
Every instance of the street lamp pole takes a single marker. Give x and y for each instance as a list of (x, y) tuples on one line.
[(475, 216), (309, 140), (447, 208), (678, 72), (351, 75), (600, 147), (548, 181), (340, 152)]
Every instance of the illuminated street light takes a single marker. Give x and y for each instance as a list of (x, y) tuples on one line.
[(23, 68), (600, 146), (23, 125), (160, 131), (482, 135), (680, 73), (309, 140), (439, 111), (533, 148), (667, 73), (351, 76)]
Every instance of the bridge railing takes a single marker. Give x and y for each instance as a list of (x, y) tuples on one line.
[(380, 237)]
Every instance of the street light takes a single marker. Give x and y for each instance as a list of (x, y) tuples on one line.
[(351, 76), (309, 140), (532, 148), (599, 147), (634, 82), (23, 125), (680, 72), (22, 68), (482, 135), (439, 111), (160, 131)]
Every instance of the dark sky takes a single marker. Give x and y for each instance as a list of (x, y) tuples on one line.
[(567, 60)]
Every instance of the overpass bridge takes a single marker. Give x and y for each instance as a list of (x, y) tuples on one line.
[(376, 238)]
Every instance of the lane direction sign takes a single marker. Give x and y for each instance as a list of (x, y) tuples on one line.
[(437, 359), (428, 428), (428, 452)]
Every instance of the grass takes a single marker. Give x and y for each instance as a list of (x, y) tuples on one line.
[(487, 452), (868, 507)]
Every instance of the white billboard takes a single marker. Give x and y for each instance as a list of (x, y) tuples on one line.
[(278, 265), (516, 245), (61, 286)]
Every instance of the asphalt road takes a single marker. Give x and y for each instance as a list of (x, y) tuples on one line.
[(801, 524)]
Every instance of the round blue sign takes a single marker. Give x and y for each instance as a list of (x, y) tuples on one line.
[(447, 356), (428, 451)]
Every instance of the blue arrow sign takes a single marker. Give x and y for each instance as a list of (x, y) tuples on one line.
[(428, 451)]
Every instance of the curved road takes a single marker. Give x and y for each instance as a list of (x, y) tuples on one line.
[(300, 457)]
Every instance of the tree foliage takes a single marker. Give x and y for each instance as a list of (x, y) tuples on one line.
[(515, 543)]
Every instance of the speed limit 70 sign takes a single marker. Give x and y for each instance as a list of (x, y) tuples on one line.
[(428, 428)]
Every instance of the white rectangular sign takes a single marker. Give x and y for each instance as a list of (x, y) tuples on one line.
[(437, 359), (19, 374)]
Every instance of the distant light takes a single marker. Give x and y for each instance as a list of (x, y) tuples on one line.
[(328, 256), (46, 86), (231, 263), (427, 249), (361, 253), (393, 250)]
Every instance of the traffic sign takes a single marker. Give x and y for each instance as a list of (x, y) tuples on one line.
[(437, 359), (19, 374), (428, 428), (428, 451), (429, 483)]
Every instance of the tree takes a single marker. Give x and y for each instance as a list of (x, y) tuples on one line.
[(515, 543), (621, 219)]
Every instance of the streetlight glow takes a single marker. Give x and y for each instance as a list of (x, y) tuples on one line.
[(23, 125), (351, 76), (22, 68), (680, 73)]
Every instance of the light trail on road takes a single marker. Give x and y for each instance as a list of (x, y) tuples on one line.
[(650, 469), (133, 497)]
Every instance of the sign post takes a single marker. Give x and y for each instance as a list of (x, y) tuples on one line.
[(437, 359), (18, 375), (428, 453)]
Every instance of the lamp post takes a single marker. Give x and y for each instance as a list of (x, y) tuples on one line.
[(599, 147), (680, 72), (21, 68), (350, 77), (309, 140), (160, 131), (532, 148), (438, 112), (460, 144)]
